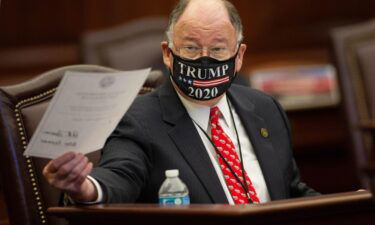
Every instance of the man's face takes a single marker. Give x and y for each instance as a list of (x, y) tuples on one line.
[(204, 29)]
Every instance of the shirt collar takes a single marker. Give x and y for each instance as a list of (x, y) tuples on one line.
[(200, 114)]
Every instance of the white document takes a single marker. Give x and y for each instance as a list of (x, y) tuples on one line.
[(84, 111)]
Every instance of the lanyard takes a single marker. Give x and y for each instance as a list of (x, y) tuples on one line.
[(243, 184)]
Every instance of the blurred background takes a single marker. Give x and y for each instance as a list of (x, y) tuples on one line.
[(297, 39)]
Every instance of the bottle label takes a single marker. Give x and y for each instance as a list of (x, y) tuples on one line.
[(174, 201)]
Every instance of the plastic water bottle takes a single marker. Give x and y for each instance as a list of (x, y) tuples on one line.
[(173, 191)]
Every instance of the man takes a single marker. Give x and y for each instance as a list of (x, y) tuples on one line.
[(231, 144)]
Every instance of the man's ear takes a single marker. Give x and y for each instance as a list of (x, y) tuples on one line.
[(240, 56), (167, 56)]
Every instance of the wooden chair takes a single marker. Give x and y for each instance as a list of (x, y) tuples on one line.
[(22, 106), (355, 54)]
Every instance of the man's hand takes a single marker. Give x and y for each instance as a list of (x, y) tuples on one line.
[(68, 173)]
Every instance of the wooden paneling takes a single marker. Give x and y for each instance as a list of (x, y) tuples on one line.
[(40, 22), (100, 14), (269, 24), (321, 147), (18, 64), (278, 24)]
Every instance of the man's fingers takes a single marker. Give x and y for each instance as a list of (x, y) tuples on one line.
[(68, 173), (78, 168), (65, 169), (73, 184), (83, 175), (87, 170), (55, 164)]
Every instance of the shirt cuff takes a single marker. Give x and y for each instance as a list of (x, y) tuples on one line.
[(99, 190)]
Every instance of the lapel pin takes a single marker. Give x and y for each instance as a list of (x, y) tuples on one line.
[(264, 132)]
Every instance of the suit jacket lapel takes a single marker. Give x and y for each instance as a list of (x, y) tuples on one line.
[(188, 142), (263, 147)]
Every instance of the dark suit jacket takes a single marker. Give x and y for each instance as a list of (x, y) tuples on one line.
[(157, 134)]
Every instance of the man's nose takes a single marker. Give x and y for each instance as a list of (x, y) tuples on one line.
[(205, 52)]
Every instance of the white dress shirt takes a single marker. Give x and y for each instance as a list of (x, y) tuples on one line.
[(200, 115)]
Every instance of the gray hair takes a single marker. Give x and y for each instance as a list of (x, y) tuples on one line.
[(179, 9)]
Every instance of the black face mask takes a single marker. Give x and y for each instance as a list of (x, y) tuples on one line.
[(204, 78)]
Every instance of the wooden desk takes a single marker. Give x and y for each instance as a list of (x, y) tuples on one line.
[(345, 208)]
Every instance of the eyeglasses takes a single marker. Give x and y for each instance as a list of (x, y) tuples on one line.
[(194, 52)]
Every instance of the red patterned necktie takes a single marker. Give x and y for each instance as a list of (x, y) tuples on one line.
[(227, 151)]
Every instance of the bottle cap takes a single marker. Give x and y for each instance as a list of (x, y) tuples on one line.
[(171, 173)]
